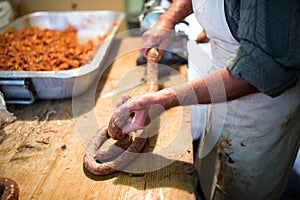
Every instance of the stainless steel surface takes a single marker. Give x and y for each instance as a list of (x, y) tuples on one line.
[(151, 11), (17, 91), (90, 25)]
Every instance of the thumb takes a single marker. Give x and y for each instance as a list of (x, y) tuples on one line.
[(131, 127), (137, 121)]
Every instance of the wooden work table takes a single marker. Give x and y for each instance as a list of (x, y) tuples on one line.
[(43, 149)]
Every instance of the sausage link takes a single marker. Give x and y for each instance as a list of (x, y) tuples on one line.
[(9, 189), (117, 164), (112, 151), (152, 70), (114, 131), (89, 160), (97, 140)]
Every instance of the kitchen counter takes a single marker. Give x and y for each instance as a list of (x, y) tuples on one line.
[(43, 149)]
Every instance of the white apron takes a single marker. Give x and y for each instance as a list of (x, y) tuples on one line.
[(248, 145)]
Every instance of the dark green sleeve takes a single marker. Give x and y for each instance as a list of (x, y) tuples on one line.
[(269, 54)]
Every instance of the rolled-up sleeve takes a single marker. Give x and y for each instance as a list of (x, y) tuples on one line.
[(269, 53), (261, 70)]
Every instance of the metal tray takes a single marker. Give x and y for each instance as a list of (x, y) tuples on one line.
[(23, 87)]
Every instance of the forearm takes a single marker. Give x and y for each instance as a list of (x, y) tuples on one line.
[(177, 12), (216, 87)]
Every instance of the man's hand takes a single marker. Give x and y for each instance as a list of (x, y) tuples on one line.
[(156, 37), (137, 112), (160, 34)]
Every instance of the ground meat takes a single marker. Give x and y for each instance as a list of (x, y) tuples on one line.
[(36, 49)]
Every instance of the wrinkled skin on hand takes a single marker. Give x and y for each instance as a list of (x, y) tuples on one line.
[(156, 37), (160, 34), (138, 112)]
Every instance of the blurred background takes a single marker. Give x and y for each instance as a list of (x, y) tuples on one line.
[(23, 7), (9, 10)]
